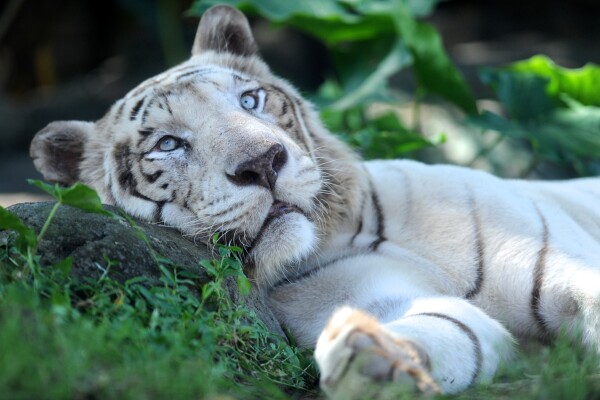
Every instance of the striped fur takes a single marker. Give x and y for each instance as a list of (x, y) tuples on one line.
[(434, 265)]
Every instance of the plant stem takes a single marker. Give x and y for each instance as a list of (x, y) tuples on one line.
[(486, 150), (47, 223), (417, 110), (32, 267)]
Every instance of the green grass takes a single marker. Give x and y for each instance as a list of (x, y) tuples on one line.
[(103, 339)]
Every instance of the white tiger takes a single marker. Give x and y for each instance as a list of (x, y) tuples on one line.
[(422, 271)]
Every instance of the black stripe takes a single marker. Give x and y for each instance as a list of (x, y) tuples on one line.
[(379, 215), (313, 271), (167, 104), (538, 277), (122, 156), (158, 211), (227, 210), (297, 132), (147, 110), (360, 222), (284, 108), (139, 195), (119, 111), (136, 109), (187, 196), (153, 177), (240, 78), (358, 229), (479, 249), (145, 133), (469, 332), (189, 73)]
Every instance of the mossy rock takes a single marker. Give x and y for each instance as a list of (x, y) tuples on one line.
[(93, 239)]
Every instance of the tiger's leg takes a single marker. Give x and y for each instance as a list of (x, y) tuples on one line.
[(439, 344)]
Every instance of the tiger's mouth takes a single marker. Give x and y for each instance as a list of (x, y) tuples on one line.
[(277, 210), (280, 208)]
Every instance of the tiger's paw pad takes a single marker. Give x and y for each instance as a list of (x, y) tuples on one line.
[(354, 351)]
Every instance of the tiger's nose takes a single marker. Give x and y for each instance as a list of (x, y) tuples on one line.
[(261, 170)]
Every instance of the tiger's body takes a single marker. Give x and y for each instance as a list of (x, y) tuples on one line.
[(422, 271)]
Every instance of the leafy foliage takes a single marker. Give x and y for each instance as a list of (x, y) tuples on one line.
[(556, 109), (381, 136)]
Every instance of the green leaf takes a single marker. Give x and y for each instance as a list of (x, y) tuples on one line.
[(433, 69), (52, 190), (244, 285), (27, 237), (78, 196), (64, 266), (523, 95), (581, 84), (168, 275), (84, 198), (374, 82), (574, 131), (562, 135), (386, 137), (542, 101)]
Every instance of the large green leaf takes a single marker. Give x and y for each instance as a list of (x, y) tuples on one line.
[(523, 95), (565, 134), (581, 84), (544, 103), (383, 136), (433, 69), (574, 131), (365, 83), (78, 195)]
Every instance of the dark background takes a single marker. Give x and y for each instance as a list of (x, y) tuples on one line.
[(70, 59)]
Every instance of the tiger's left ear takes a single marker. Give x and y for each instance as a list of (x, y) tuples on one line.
[(224, 29), (58, 149)]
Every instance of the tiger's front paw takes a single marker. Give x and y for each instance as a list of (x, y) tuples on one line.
[(355, 350)]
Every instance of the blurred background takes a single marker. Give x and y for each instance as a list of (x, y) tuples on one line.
[(71, 59)]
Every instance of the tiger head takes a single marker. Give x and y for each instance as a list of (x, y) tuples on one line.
[(217, 144)]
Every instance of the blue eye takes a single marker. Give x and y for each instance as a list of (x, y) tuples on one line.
[(249, 101), (168, 143)]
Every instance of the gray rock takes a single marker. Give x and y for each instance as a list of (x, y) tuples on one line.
[(92, 240)]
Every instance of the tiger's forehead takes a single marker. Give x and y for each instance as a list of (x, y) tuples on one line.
[(190, 80), (181, 75)]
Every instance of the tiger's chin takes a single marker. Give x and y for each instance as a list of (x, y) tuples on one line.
[(286, 236)]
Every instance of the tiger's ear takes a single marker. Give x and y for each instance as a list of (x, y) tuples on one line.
[(57, 150), (224, 29)]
